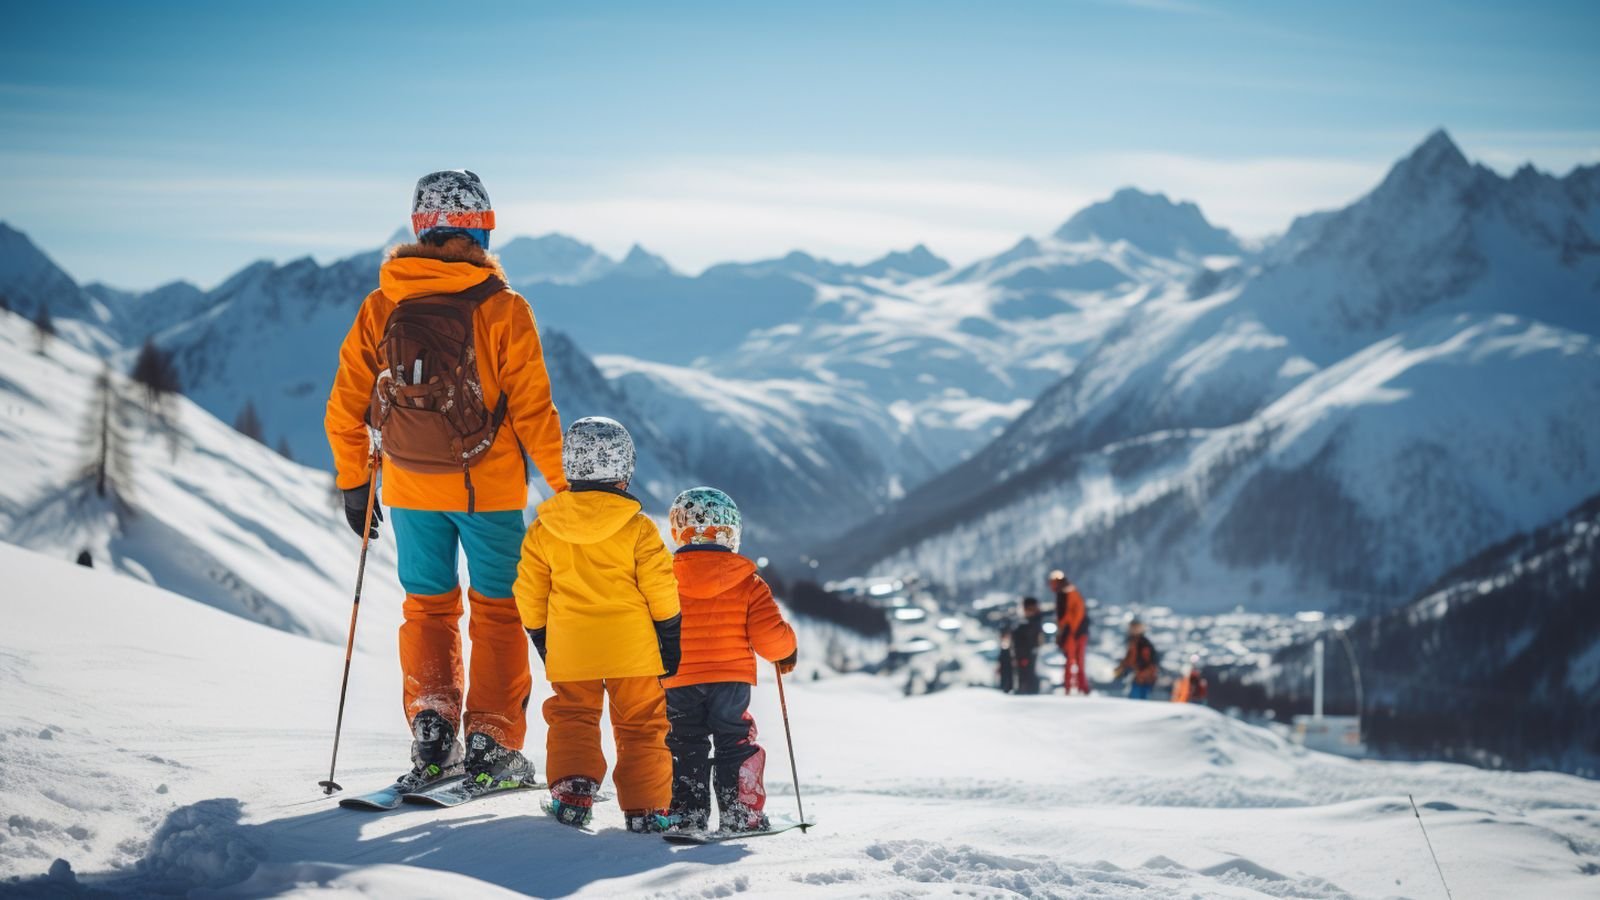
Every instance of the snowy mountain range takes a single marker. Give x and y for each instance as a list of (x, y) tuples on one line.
[(817, 391), (1386, 390), (1331, 418)]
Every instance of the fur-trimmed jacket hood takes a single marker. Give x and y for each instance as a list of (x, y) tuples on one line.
[(416, 270), (459, 250)]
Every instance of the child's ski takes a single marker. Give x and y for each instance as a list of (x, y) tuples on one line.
[(461, 791), (392, 796), (717, 837)]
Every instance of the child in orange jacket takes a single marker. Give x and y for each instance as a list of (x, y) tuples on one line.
[(599, 601), (729, 616)]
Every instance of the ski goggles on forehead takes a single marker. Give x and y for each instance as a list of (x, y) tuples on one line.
[(482, 219)]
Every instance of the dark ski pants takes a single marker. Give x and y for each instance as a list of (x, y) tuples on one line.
[(707, 717), (1027, 677)]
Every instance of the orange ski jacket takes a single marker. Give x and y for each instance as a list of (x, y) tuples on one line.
[(510, 360), (1140, 660), (1072, 619), (729, 615), (596, 576)]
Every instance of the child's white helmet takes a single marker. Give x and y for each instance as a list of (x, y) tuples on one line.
[(598, 449), (705, 515)]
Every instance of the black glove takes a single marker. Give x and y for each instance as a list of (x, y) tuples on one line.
[(787, 664), (537, 636), (355, 509), (667, 635)]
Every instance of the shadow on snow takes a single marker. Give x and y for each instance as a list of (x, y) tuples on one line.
[(205, 846)]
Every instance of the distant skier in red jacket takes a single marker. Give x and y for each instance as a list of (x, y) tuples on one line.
[(1072, 631)]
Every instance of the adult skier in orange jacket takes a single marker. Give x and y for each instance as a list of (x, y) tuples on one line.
[(1072, 631)]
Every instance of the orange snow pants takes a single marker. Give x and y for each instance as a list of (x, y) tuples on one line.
[(430, 660), (639, 723)]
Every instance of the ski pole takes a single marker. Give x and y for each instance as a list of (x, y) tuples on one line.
[(1430, 847), (788, 738), (329, 786)]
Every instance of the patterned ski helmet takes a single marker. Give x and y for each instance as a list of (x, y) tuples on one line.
[(598, 449), (453, 200), (705, 515)]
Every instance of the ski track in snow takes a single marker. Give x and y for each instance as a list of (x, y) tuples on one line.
[(193, 772)]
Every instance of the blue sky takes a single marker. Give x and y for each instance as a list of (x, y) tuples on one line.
[(145, 142)]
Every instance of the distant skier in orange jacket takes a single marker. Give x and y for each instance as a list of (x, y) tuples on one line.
[(1072, 631), (1191, 688)]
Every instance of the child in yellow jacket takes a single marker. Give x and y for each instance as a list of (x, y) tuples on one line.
[(599, 600)]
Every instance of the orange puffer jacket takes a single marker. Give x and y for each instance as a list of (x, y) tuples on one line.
[(510, 359), (728, 612)]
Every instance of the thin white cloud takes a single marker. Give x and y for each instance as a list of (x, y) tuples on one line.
[(700, 212)]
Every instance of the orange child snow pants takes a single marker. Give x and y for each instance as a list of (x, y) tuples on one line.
[(639, 722)]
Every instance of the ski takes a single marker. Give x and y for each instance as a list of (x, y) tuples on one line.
[(392, 796), (459, 791), (718, 837)]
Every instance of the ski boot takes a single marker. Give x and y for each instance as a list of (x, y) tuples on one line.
[(435, 755), (648, 821), (490, 766), (740, 818), (571, 800), (740, 802), (687, 819)]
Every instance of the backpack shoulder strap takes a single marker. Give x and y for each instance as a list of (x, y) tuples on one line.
[(474, 296), (481, 291)]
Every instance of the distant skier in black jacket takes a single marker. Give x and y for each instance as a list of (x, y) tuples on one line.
[(1026, 639)]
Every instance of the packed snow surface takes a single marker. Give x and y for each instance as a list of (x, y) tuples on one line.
[(157, 745)]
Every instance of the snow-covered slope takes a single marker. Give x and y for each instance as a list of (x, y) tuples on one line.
[(30, 280), (1334, 424), (209, 513), (204, 511), (157, 746)]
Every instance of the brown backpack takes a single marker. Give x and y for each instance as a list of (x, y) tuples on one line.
[(427, 401)]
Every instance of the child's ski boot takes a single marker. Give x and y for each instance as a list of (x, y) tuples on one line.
[(647, 821), (687, 819), (571, 800)]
